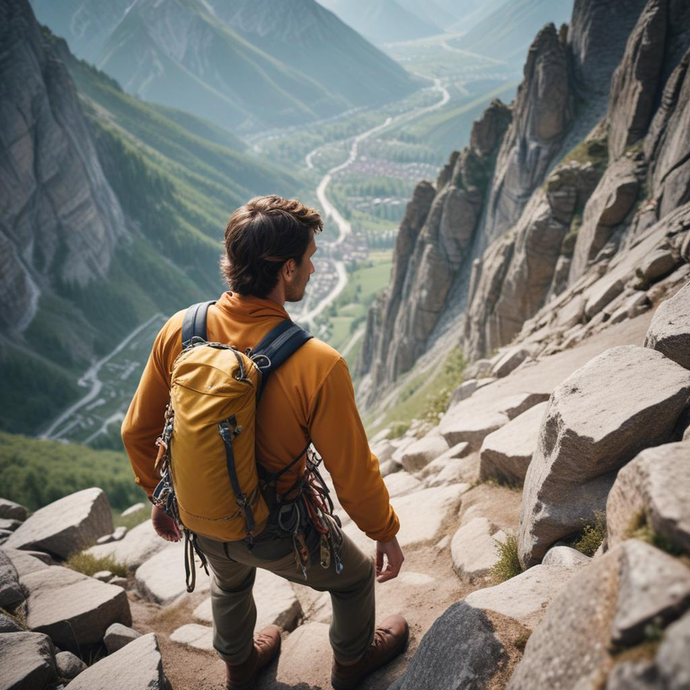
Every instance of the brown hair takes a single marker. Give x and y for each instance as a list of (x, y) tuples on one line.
[(260, 237)]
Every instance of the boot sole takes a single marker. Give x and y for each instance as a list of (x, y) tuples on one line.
[(354, 684)]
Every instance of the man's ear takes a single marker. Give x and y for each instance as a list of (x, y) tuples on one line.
[(289, 268)]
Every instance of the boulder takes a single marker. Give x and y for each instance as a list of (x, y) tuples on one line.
[(565, 557), (118, 635), (103, 576), (421, 516), (420, 453), (401, 484), (600, 295), (118, 534), (9, 524), (69, 665), (138, 545), (653, 587), (455, 471), (652, 491), (525, 597), (389, 467), (134, 509), (12, 511), (657, 265), (383, 450), (634, 305), (138, 666), (68, 525), (161, 579), (634, 675), (506, 453), (457, 452), (669, 332), (422, 513), (194, 635), (8, 624), (472, 421), (467, 388), (276, 603), (11, 594), (510, 361), (27, 660), (474, 550), (75, 610), (479, 369), (673, 661), (598, 419), (24, 561), (460, 650)]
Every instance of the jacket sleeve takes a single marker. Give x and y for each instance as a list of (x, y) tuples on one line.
[(338, 434), (144, 420)]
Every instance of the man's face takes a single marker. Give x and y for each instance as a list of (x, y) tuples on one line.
[(299, 276)]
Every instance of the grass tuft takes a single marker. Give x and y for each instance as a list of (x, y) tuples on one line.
[(592, 535), (132, 520), (508, 564), (640, 528), (89, 565)]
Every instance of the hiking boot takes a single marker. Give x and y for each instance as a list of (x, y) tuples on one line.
[(390, 638), (266, 646)]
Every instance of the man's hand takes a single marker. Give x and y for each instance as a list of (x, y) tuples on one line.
[(394, 557), (164, 525)]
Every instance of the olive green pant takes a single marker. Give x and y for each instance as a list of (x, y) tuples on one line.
[(234, 612)]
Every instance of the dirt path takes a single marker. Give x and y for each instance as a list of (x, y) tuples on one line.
[(426, 587)]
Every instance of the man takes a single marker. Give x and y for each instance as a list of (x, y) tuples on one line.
[(269, 245)]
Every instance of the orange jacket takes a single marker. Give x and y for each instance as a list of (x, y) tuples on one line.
[(310, 396)]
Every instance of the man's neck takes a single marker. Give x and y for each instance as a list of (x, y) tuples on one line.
[(277, 295)]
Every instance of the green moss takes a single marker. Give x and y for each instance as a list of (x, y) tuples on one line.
[(398, 429), (595, 151), (133, 519), (640, 528), (592, 535), (508, 564)]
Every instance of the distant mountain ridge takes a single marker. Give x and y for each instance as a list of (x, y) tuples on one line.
[(242, 66), (384, 21)]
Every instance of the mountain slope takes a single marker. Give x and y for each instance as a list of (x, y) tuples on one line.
[(507, 32), (315, 42), (114, 213), (382, 21)]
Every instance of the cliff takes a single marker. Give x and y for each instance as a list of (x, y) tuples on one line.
[(594, 153)]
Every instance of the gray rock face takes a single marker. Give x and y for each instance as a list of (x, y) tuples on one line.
[(138, 666), (459, 651), (608, 206), (565, 557), (11, 594), (72, 608), (69, 665), (506, 453), (118, 635), (652, 490), (668, 143), (669, 332), (535, 133), (10, 510), (24, 562), (27, 660), (635, 82), (50, 163), (597, 421), (68, 525), (510, 361), (652, 587)]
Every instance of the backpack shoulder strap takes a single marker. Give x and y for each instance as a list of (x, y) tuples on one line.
[(194, 324), (276, 347)]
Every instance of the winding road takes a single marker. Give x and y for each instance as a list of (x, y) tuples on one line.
[(308, 315)]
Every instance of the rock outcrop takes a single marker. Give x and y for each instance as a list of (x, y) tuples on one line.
[(587, 434), (50, 166)]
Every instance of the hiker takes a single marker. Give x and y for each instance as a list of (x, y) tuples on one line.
[(269, 245)]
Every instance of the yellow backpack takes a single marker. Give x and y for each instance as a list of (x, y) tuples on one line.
[(210, 482)]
